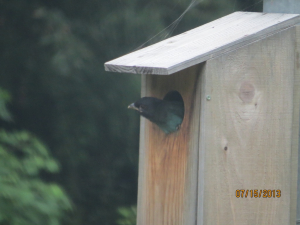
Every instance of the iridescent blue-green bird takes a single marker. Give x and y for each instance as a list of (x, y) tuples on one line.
[(166, 113)]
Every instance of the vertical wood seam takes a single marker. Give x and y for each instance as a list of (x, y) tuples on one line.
[(295, 143), (201, 151)]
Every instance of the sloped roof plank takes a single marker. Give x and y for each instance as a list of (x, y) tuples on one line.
[(202, 43)]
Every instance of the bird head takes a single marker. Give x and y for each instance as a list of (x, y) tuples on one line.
[(146, 106)]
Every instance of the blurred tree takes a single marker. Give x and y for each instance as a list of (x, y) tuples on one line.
[(51, 60), (25, 198), (128, 215)]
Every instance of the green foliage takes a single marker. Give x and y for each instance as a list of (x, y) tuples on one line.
[(128, 215), (24, 198)]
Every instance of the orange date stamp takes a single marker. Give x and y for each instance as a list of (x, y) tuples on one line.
[(255, 193)]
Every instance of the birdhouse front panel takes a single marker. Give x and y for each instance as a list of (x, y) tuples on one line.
[(169, 162)]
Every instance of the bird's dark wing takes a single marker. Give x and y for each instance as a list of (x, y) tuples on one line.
[(176, 108), (169, 115)]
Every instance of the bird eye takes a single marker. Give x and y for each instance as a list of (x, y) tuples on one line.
[(143, 107)]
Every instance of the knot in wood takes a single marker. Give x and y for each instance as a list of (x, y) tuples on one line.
[(247, 92)]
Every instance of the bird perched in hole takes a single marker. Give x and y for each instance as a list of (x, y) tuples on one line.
[(166, 113)]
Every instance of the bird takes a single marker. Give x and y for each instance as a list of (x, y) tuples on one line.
[(166, 113)]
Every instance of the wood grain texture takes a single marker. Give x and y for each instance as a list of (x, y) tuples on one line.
[(295, 130), (296, 146), (291, 6), (143, 163), (200, 44), (281, 6), (246, 139), (168, 163)]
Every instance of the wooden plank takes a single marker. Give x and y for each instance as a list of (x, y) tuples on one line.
[(144, 139), (246, 134), (202, 164), (295, 129), (291, 6), (169, 163), (281, 6), (200, 44), (296, 155)]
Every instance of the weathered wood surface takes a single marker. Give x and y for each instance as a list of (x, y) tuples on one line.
[(200, 44), (248, 134), (290, 6), (281, 6), (296, 155), (168, 164)]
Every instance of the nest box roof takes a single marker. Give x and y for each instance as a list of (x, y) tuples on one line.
[(202, 43)]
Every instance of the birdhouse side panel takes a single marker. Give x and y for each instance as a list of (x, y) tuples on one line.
[(246, 134)]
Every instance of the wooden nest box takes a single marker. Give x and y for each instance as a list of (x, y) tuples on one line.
[(235, 158)]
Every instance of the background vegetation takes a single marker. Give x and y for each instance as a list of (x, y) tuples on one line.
[(68, 145)]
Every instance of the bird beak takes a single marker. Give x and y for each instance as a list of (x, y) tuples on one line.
[(132, 106)]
